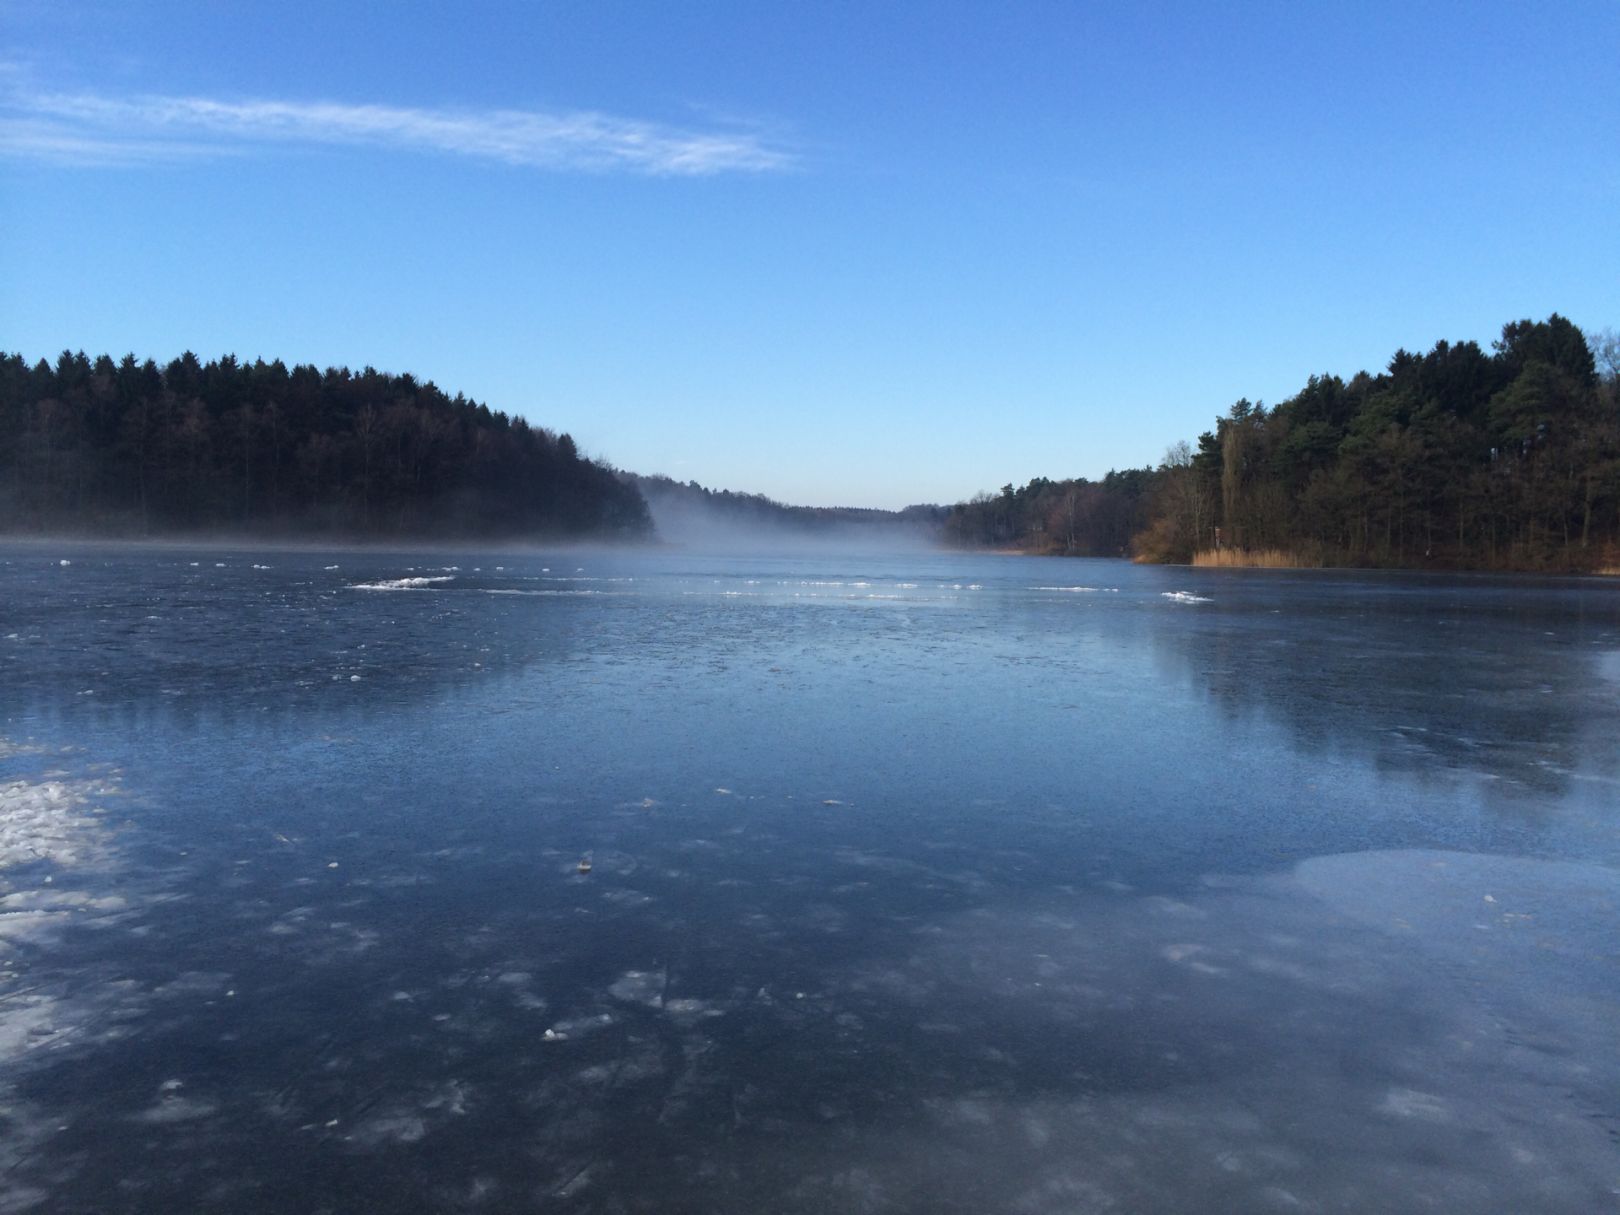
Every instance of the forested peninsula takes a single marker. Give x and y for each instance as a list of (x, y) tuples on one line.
[(132, 449), (1456, 458)]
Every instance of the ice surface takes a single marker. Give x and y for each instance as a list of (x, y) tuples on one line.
[(1339, 1036), (1285, 1060), (997, 984)]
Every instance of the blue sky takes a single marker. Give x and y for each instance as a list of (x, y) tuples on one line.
[(863, 254)]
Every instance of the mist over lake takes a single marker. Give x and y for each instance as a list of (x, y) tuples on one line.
[(610, 881)]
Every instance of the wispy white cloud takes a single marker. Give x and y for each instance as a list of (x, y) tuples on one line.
[(94, 129)]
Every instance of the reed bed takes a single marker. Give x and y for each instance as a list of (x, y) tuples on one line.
[(1255, 558)]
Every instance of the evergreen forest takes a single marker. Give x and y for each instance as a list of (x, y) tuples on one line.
[(134, 449), (1456, 458)]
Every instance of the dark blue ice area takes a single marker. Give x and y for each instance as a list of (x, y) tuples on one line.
[(915, 883)]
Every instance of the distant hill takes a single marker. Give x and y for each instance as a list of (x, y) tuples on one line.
[(132, 449), (691, 516)]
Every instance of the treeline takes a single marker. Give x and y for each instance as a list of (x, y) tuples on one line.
[(131, 448), (1456, 458), (1074, 518), (689, 513)]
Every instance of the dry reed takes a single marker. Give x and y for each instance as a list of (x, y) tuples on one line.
[(1254, 558)]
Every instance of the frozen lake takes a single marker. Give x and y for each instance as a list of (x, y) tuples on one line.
[(916, 883)]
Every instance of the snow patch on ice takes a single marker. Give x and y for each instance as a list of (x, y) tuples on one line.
[(577, 1026), (640, 987), (404, 584), (172, 1107), (51, 821)]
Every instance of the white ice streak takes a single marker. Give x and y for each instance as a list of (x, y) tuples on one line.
[(1184, 597), (403, 584), (568, 594)]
